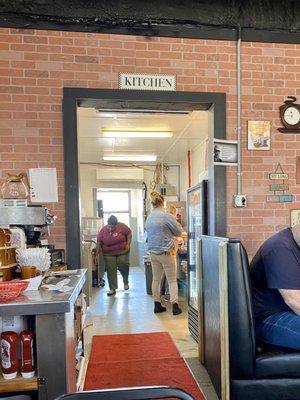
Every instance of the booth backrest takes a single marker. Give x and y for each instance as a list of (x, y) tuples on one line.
[(242, 343)]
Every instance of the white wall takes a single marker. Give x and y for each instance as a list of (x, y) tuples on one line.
[(198, 157), (87, 181)]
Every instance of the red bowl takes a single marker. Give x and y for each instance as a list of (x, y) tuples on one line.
[(11, 289)]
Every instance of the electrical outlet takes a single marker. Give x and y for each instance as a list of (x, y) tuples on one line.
[(239, 200)]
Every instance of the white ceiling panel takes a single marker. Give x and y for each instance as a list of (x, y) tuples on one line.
[(189, 130)]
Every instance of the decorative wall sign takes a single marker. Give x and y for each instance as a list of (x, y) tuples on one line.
[(295, 217), (274, 187), (259, 135), (280, 198), (147, 82), (275, 175), (279, 187), (225, 152)]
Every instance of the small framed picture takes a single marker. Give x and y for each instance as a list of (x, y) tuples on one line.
[(295, 217), (259, 134), (225, 152)]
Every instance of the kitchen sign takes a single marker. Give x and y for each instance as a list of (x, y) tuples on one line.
[(147, 82)]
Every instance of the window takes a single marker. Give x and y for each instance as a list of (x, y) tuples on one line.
[(115, 202)]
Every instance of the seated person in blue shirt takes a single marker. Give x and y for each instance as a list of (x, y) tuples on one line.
[(275, 277)]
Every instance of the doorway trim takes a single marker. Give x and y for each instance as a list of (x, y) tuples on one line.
[(124, 99)]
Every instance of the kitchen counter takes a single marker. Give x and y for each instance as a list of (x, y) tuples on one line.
[(53, 316), (44, 301)]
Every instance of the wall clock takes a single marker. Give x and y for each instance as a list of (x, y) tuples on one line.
[(290, 116)]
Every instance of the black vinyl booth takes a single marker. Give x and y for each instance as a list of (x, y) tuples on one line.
[(239, 367)]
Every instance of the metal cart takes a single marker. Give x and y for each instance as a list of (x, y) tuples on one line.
[(135, 393)]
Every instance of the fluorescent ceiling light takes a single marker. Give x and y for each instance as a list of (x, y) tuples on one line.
[(140, 111), (136, 134), (141, 157)]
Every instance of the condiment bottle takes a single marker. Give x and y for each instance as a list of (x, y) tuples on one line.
[(27, 368), (9, 354)]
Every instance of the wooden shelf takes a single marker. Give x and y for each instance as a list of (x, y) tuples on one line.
[(19, 384), (8, 266)]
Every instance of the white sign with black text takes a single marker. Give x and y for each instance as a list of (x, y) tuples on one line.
[(147, 82), (225, 152)]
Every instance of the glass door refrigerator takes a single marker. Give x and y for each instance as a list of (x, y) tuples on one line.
[(197, 225)]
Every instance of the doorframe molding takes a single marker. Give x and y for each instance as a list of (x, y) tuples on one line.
[(116, 98)]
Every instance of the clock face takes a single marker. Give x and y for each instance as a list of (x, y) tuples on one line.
[(291, 115)]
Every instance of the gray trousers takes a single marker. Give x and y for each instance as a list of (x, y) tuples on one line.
[(164, 263), (113, 264)]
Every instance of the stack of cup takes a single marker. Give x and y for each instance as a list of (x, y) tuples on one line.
[(28, 271)]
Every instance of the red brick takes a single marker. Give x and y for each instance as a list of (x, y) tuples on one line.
[(268, 73), (73, 50), (86, 59), (25, 115), (12, 156), (23, 81), (38, 140), (36, 73), (23, 47), (11, 89), (6, 38), (35, 39), (36, 56), (36, 90), (49, 82), (26, 148), (48, 49), (38, 124), (61, 57), (23, 64), (37, 107)]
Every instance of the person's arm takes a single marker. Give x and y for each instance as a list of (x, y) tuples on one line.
[(173, 225), (128, 240), (282, 273), (291, 298), (128, 236)]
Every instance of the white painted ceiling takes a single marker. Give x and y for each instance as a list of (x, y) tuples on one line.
[(189, 130)]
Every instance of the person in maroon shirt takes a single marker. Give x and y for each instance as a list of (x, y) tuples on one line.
[(113, 241)]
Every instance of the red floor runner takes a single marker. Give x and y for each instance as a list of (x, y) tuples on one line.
[(133, 346), (147, 359)]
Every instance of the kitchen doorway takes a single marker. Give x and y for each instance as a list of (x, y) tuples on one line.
[(106, 99)]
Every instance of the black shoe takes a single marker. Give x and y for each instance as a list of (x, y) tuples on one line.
[(176, 309), (111, 292), (95, 282), (158, 308), (102, 282)]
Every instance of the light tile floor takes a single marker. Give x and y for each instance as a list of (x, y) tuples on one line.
[(132, 312)]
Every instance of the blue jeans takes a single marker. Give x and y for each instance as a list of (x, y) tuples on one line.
[(281, 329)]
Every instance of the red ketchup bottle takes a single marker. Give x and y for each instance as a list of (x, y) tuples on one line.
[(27, 368), (9, 354)]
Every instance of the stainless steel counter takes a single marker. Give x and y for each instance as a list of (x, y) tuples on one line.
[(44, 301), (53, 315)]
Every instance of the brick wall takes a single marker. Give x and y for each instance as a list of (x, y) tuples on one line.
[(36, 65)]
